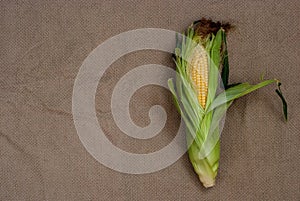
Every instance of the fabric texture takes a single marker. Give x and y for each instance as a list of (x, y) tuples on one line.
[(43, 45)]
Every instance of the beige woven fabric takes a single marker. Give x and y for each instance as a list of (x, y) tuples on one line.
[(43, 44)]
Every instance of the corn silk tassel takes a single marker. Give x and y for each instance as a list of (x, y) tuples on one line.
[(202, 94)]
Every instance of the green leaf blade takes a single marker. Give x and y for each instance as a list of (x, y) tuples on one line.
[(237, 92)]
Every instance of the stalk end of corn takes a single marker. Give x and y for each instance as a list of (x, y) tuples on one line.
[(207, 181)]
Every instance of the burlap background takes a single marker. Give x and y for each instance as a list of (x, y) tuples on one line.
[(43, 44)]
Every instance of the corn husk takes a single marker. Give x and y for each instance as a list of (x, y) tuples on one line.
[(204, 124)]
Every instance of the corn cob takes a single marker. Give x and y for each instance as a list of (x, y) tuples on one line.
[(200, 59), (199, 73)]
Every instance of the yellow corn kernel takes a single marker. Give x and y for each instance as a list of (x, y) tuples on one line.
[(199, 73)]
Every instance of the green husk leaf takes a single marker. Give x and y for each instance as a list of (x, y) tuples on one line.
[(172, 89), (214, 63), (191, 115), (237, 92), (214, 134), (225, 69)]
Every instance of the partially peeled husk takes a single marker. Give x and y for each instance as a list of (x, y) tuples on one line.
[(204, 125)]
